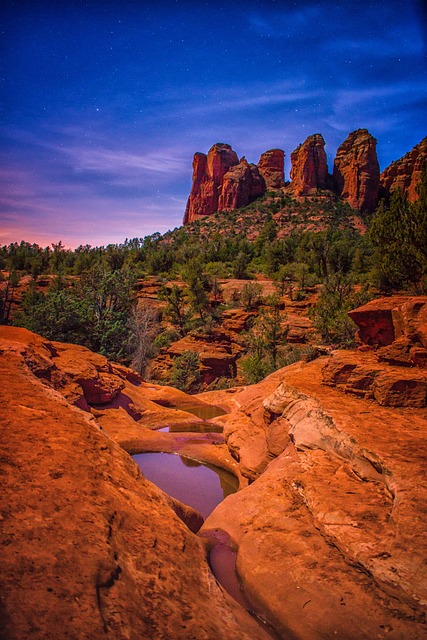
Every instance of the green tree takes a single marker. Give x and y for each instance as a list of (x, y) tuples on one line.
[(399, 236), (185, 373), (176, 308), (329, 315), (8, 286), (199, 286), (251, 295)]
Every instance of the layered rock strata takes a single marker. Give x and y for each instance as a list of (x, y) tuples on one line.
[(223, 183), (356, 171), (405, 173), (309, 170), (208, 174)]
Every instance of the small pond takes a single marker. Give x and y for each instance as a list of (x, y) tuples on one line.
[(198, 485), (205, 413)]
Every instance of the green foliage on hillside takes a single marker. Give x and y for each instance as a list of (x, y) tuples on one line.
[(298, 244)]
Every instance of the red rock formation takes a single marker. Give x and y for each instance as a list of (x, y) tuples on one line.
[(335, 524), (208, 174), (271, 166), (241, 184), (405, 174), (356, 171), (382, 321), (88, 547), (309, 167)]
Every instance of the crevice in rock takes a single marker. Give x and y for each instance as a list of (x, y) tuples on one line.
[(106, 584)]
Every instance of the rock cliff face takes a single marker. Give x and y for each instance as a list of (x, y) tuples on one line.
[(222, 183), (309, 166), (357, 172), (405, 174), (208, 174), (240, 185), (271, 166)]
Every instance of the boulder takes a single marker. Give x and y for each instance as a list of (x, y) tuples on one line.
[(363, 375), (356, 171), (382, 321)]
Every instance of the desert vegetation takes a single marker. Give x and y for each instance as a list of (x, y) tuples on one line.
[(90, 296)]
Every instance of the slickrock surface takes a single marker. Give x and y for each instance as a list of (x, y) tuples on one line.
[(405, 173), (271, 166), (89, 548), (357, 172), (331, 532), (309, 166)]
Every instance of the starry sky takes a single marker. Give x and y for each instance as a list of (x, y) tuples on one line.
[(103, 104)]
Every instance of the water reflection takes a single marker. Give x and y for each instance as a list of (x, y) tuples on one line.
[(201, 486)]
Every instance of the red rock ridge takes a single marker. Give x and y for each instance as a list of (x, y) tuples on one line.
[(356, 171), (405, 173), (309, 167), (271, 166)]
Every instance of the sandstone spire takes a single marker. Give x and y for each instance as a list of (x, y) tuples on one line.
[(357, 172)]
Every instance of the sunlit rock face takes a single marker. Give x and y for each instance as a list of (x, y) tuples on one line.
[(208, 174), (309, 166), (405, 173), (357, 172), (89, 547), (271, 166)]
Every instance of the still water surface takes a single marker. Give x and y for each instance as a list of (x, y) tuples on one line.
[(198, 485)]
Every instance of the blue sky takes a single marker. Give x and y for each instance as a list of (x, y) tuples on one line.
[(103, 104)]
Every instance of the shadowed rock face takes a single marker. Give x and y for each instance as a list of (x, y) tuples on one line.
[(222, 183), (405, 173), (241, 184), (309, 166), (271, 166), (357, 172)]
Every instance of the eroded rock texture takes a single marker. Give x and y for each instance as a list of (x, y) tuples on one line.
[(356, 171), (271, 166), (309, 166), (240, 185), (405, 173), (330, 533), (208, 174), (89, 548)]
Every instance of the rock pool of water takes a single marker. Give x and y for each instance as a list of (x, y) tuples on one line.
[(200, 486)]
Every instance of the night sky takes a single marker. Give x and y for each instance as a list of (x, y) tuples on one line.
[(103, 104)]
